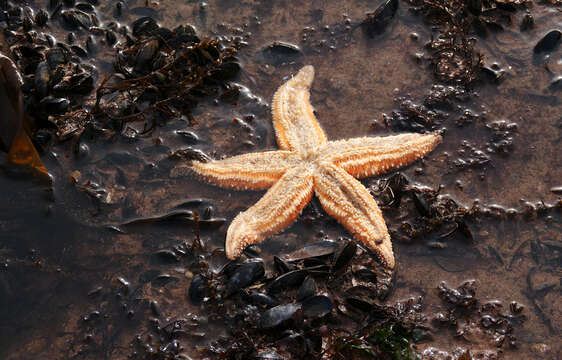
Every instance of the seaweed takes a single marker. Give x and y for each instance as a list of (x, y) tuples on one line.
[(433, 213), (389, 342), (159, 73), (153, 77), (454, 59)]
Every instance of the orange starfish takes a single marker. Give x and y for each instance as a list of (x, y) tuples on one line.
[(307, 163)]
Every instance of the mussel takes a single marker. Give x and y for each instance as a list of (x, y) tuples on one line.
[(245, 275), (278, 315)]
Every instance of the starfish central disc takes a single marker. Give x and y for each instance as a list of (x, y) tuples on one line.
[(306, 164)]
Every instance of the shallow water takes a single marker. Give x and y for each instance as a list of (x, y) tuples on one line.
[(64, 259)]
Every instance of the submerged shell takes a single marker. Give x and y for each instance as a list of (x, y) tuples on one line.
[(317, 306), (42, 77), (145, 55), (344, 256), (307, 289), (198, 289), (288, 280), (318, 249), (144, 26), (378, 20), (277, 315), (548, 42), (77, 19), (245, 275), (262, 299)]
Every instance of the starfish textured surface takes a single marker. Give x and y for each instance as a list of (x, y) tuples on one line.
[(308, 163)]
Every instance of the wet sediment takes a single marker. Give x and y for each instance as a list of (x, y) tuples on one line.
[(125, 256)]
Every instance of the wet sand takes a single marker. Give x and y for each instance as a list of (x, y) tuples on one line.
[(75, 288)]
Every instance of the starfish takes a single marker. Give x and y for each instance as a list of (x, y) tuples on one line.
[(308, 163)]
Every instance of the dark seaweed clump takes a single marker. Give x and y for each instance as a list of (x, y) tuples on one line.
[(160, 74), (390, 342), (318, 294), (446, 105), (453, 57), (431, 212), (459, 69)]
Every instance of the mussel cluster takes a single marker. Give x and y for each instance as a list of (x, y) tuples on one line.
[(51, 79), (320, 301), (55, 74), (163, 72), (293, 301), (157, 70)]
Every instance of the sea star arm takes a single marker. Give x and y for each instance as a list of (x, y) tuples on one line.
[(346, 199), (295, 125), (276, 210), (370, 156), (255, 171)]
